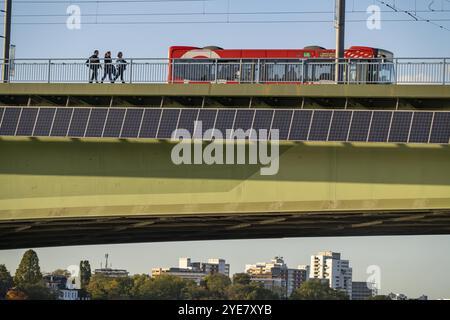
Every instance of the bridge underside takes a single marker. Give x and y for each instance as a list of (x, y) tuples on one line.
[(114, 230), (219, 95), (56, 192)]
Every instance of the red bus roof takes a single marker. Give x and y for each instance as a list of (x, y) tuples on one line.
[(185, 52)]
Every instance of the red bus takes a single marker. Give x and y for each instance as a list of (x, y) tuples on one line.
[(308, 65)]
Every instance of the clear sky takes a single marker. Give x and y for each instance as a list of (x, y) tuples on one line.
[(412, 265)]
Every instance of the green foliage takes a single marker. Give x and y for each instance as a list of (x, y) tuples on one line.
[(85, 273), (251, 291), (317, 290), (217, 284), (101, 287), (37, 291), (6, 281), (241, 278), (28, 271), (165, 287)]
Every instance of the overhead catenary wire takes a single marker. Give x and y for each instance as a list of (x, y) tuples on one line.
[(413, 15), (216, 22)]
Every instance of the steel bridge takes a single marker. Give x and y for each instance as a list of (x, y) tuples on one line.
[(59, 187)]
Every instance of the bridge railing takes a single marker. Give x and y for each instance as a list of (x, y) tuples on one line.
[(309, 71)]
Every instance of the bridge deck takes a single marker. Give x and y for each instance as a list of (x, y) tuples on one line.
[(416, 96)]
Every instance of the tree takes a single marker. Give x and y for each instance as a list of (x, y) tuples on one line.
[(28, 271), (241, 278), (317, 290), (6, 281), (217, 284), (61, 272), (37, 291), (165, 287), (251, 291), (16, 294), (85, 273), (101, 287)]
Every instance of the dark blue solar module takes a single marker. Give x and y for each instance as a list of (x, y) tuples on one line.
[(114, 123), (244, 119), (207, 117), (150, 123), (187, 120), (320, 126), (440, 133), (420, 128), (168, 125), (132, 123), (225, 121), (359, 127), (282, 122), (26, 122), (340, 126), (96, 122), (401, 123), (44, 122), (301, 123), (9, 121), (62, 122), (79, 121), (379, 129), (262, 121)]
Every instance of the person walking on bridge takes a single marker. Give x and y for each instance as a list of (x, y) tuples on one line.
[(121, 66), (108, 69), (93, 63)]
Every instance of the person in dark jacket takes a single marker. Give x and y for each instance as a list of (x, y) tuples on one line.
[(108, 69), (121, 66), (93, 64)]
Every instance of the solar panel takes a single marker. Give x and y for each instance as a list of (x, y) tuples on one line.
[(62, 122), (96, 122), (187, 120), (296, 125), (150, 123), (359, 127), (420, 128), (114, 123), (27, 121), (207, 117), (132, 123), (379, 129), (168, 125), (79, 121), (262, 121), (9, 121), (44, 122), (244, 119), (340, 126), (401, 124), (440, 133), (320, 126), (225, 121), (300, 125)]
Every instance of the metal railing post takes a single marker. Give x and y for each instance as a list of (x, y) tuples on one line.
[(49, 70), (444, 75), (216, 67), (303, 71), (131, 70), (396, 71)]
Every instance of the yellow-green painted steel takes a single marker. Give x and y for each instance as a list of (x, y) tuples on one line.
[(80, 178), (221, 90)]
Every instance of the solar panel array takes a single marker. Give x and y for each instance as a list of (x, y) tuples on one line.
[(293, 125)]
